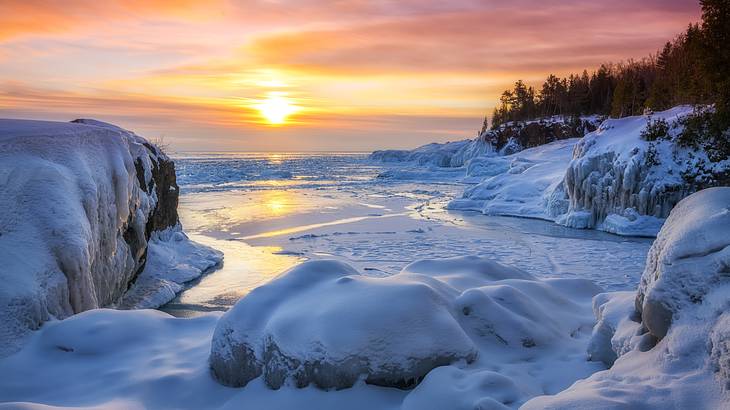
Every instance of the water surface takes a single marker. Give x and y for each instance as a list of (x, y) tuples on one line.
[(269, 211)]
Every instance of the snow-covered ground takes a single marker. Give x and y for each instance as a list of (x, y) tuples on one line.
[(268, 213)]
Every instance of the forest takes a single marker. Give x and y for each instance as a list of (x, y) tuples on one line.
[(693, 68)]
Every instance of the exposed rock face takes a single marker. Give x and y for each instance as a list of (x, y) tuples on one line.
[(513, 137), (80, 202)]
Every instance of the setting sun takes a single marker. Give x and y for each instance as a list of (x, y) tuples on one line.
[(276, 108)]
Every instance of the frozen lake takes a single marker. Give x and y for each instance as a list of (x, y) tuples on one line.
[(269, 211)]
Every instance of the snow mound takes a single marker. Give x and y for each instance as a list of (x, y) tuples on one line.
[(617, 324), (80, 202), (531, 186), (621, 183), (680, 351), (323, 323)]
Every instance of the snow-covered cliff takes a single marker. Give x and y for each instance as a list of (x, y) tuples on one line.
[(621, 183), (79, 204), (449, 154), (616, 179)]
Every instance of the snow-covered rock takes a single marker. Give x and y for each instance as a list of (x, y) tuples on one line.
[(617, 325), (79, 202), (324, 323), (690, 256), (621, 183), (507, 139), (679, 353)]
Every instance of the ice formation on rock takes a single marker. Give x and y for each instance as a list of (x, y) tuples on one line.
[(80, 202), (613, 180), (623, 184)]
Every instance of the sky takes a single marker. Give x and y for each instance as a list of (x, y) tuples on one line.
[(306, 75)]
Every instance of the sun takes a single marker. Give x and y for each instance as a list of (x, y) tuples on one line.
[(276, 108)]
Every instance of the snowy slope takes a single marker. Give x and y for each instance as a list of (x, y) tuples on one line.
[(527, 184), (79, 204), (671, 342)]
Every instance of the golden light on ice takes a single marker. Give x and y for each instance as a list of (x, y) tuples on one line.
[(276, 108)]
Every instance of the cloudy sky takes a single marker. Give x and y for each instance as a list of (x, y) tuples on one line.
[(306, 74)]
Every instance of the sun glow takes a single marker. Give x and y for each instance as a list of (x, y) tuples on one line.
[(276, 108)]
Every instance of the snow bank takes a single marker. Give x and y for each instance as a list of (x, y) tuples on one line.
[(323, 323), (531, 185), (80, 202), (679, 353), (620, 183)]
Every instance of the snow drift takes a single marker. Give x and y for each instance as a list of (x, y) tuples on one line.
[(80, 203), (671, 342), (323, 323)]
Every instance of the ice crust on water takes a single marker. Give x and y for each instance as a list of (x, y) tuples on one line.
[(77, 200)]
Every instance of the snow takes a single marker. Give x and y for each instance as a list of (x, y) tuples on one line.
[(689, 257), (674, 349), (449, 154), (622, 184), (529, 335), (530, 187), (172, 260), (75, 213), (510, 336)]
